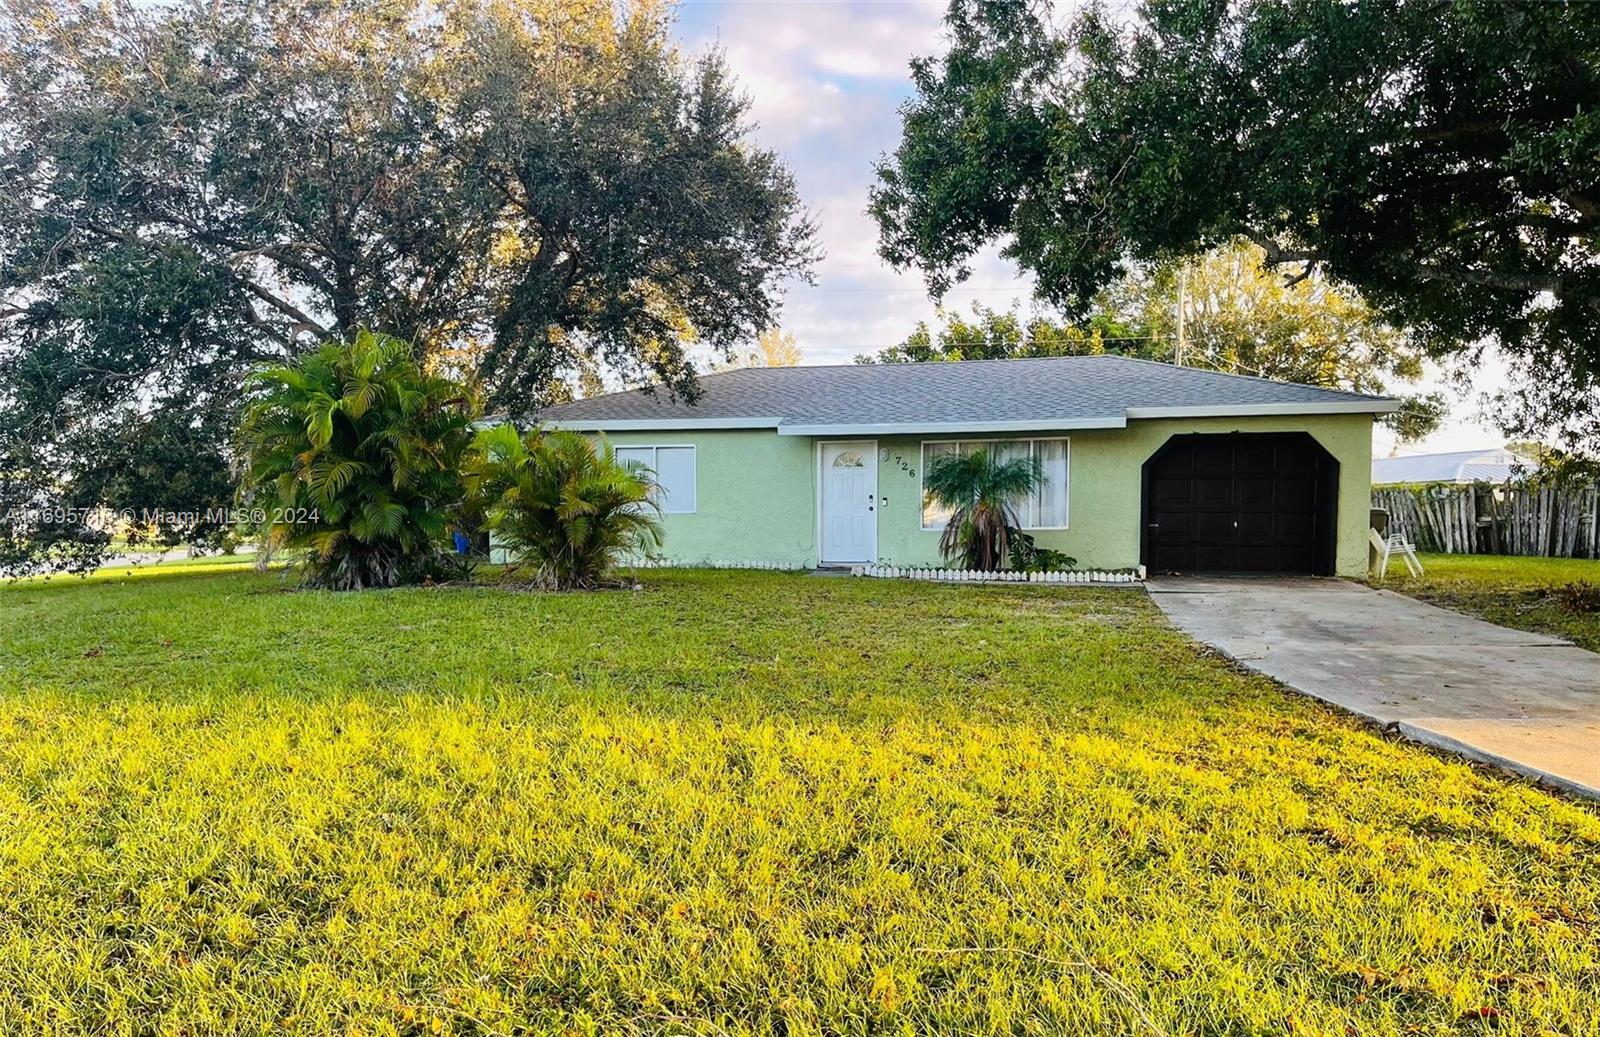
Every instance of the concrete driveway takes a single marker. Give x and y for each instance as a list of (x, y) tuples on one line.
[(1526, 702)]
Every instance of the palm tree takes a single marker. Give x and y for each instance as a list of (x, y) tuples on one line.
[(979, 489), (563, 503), (354, 454)]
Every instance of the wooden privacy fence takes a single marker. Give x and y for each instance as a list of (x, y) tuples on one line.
[(1507, 519)]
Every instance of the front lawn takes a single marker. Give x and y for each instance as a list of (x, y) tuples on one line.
[(731, 803), (1525, 593)]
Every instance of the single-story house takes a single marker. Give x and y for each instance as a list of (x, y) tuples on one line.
[(1175, 468), (1459, 466)]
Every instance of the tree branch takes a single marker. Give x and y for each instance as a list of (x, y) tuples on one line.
[(283, 306), (275, 252), (1585, 205), (1507, 222), (1490, 279), (255, 320), (1293, 279), (36, 310), (1480, 128), (1277, 254), (1555, 284), (282, 252)]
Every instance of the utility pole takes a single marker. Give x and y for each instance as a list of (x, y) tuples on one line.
[(1183, 287)]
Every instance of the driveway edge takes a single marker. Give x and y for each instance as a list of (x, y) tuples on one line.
[(1524, 704), (1427, 736)]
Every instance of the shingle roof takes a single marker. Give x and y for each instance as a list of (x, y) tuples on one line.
[(1045, 393)]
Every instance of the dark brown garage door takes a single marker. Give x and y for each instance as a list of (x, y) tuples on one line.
[(1240, 503)]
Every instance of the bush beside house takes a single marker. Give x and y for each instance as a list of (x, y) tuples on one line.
[(355, 455), (564, 504), (366, 462)]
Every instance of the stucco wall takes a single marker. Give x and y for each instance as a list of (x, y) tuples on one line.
[(757, 491), (755, 496)]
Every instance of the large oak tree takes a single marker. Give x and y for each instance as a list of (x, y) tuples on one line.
[(1441, 157), (530, 190)]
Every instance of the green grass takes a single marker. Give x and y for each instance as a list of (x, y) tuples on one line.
[(1514, 592), (738, 803)]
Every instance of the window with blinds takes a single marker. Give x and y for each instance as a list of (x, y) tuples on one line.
[(1046, 508), (674, 470)]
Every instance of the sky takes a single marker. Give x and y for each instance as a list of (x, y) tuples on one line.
[(826, 79)]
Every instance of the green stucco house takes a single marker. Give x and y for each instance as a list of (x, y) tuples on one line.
[(1177, 469)]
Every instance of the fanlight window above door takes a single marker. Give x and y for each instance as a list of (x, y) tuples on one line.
[(849, 459)]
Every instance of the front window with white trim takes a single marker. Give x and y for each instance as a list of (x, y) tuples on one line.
[(674, 470), (1045, 508)]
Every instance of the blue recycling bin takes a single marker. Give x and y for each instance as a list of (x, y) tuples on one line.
[(463, 543)]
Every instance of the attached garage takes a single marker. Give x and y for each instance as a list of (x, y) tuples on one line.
[(1241, 503)]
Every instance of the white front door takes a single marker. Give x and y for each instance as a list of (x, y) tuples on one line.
[(849, 504)]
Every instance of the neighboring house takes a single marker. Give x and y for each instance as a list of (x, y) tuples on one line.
[(1462, 466), (1176, 468)]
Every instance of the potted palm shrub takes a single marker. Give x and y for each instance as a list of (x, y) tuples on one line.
[(979, 489)]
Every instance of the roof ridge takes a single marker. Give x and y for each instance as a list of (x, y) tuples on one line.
[(1450, 453), (914, 364), (894, 364)]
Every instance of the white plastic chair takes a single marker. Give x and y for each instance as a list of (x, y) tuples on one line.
[(1387, 546)]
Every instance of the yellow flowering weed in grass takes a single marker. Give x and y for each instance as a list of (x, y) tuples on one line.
[(738, 803)]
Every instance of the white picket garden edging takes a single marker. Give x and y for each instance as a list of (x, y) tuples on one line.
[(500, 556), (895, 572), (756, 563), (1082, 576)]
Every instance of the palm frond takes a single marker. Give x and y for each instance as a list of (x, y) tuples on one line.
[(981, 492), (357, 432), (563, 503)]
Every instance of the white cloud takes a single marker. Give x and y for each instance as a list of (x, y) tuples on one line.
[(789, 105), (867, 41), (790, 57), (879, 47)]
